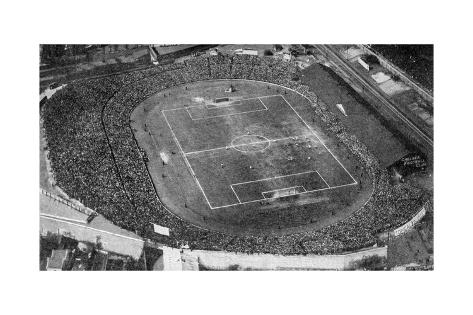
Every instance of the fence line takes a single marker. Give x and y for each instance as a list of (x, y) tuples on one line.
[(222, 260), (406, 227), (68, 203)]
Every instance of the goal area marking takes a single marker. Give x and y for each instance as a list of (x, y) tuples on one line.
[(305, 191), (230, 106)]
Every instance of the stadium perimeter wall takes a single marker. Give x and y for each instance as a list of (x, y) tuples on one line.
[(406, 227), (74, 204), (227, 260)]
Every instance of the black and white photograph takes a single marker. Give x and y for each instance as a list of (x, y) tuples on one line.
[(236, 157), (246, 157)]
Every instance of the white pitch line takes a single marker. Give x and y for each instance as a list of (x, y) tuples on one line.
[(235, 194), (239, 145), (302, 95), (275, 177), (188, 113), (263, 103), (302, 193), (320, 140), (323, 179), (185, 159), (241, 113), (244, 99), (203, 192), (226, 106)]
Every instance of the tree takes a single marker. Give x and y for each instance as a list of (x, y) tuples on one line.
[(396, 78), (371, 59)]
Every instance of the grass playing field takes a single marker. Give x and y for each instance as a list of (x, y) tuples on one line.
[(257, 163)]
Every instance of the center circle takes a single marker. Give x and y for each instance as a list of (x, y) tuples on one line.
[(250, 143)]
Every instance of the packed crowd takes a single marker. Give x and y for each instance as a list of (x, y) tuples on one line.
[(96, 159)]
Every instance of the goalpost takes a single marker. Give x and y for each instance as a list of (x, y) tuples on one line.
[(284, 192)]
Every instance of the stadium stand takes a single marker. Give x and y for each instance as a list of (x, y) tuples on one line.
[(96, 160)]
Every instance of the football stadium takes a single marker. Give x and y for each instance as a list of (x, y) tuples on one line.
[(224, 152)]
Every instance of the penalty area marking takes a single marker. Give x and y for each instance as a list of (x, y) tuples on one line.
[(274, 198), (278, 177), (275, 177), (228, 106), (244, 99), (320, 140), (210, 117), (184, 154)]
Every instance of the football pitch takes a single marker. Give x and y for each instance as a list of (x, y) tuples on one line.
[(256, 149), (253, 161)]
